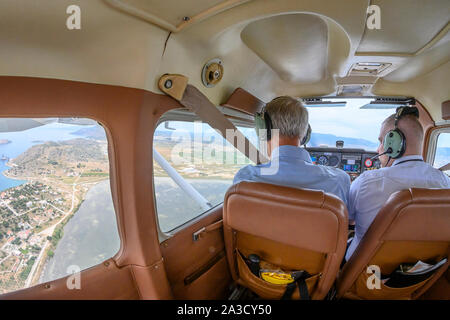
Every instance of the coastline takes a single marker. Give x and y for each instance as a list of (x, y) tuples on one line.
[(8, 164), (70, 252), (45, 259), (5, 174), (49, 245)]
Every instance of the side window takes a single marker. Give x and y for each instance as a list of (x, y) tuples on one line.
[(442, 155), (56, 210), (193, 168)]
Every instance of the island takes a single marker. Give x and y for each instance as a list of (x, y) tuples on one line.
[(4, 141), (33, 215)]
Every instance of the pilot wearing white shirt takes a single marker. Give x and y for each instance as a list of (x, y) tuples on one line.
[(370, 191)]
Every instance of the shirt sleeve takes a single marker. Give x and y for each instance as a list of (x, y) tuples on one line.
[(241, 175)]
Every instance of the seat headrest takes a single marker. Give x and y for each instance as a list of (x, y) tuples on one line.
[(310, 219)]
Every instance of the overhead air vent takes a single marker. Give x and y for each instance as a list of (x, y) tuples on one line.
[(319, 102), (368, 68), (389, 103), (355, 85), (353, 90)]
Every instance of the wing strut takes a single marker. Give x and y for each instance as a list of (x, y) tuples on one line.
[(179, 180)]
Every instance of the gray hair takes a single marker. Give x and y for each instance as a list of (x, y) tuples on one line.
[(288, 115)]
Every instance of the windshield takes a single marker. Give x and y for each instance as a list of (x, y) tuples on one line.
[(358, 128)]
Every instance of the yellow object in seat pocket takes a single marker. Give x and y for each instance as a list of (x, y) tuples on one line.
[(276, 277)]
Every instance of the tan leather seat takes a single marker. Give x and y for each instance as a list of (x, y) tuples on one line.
[(292, 229), (413, 225)]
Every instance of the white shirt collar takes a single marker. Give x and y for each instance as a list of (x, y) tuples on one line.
[(406, 158)]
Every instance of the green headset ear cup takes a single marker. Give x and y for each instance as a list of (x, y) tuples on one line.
[(394, 139), (307, 137)]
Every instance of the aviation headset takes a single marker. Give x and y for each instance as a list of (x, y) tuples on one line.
[(263, 121), (394, 142)]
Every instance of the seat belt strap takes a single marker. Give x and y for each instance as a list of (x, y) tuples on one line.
[(290, 288), (303, 288), (299, 281), (177, 87)]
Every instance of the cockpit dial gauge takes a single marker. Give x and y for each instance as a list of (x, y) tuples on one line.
[(323, 160), (368, 163), (333, 161)]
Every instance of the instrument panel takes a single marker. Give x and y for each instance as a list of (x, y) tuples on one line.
[(352, 161)]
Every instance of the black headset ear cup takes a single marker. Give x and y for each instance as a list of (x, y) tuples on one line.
[(307, 137), (268, 122)]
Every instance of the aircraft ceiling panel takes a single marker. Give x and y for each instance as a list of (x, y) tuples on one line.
[(406, 26)]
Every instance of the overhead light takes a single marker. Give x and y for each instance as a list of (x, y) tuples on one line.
[(368, 68)]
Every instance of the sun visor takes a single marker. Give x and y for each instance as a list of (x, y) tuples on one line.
[(243, 101), (389, 103), (446, 110)]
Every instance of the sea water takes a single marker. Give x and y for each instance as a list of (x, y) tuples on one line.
[(22, 140)]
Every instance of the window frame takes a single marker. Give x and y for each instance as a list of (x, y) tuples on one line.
[(239, 118), (112, 176), (433, 140)]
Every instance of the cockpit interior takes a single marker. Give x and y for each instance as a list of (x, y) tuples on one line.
[(117, 166)]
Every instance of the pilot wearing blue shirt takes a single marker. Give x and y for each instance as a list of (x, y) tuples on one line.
[(290, 164)]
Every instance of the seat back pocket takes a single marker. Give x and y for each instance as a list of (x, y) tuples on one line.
[(267, 290)]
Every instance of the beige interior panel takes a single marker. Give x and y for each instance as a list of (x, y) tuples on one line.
[(406, 26), (172, 11), (422, 63), (172, 14), (293, 45), (430, 89), (111, 47), (117, 48), (243, 67)]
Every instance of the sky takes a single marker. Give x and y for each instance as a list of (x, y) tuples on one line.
[(444, 140), (349, 121)]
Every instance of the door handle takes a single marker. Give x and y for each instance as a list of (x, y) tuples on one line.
[(198, 234)]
